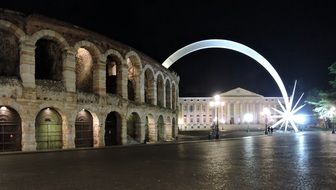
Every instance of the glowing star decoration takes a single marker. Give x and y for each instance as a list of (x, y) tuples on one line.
[(287, 116), (231, 45)]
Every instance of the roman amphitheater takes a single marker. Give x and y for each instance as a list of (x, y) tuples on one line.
[(65, 87)]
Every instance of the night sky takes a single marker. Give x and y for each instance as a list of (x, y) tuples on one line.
[(299, 39)]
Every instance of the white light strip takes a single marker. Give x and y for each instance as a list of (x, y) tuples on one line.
[(227, 44)]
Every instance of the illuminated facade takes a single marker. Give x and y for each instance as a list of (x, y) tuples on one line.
[(66, 87), (197, 114)]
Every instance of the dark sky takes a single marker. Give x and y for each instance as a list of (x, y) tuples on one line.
[(298, 38)]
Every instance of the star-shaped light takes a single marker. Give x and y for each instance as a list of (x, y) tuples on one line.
[(287, 113)]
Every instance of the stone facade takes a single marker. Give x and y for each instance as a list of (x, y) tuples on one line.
[(63, 70), (197, 114)]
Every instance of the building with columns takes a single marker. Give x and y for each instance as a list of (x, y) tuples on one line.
[(66, 87), (197, 114)]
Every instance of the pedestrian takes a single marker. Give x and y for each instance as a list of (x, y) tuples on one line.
[(271, 129)]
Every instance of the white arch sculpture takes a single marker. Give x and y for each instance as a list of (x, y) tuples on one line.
[(288, 112)]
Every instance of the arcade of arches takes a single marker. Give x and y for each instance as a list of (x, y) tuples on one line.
[(72, 88)]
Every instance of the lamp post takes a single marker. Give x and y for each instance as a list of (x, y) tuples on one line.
[(248, 117), (266, 113), (217, 103)]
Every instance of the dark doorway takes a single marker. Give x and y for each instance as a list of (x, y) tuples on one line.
[(160, 129), (133, 128), (111, 74), (112, 129), (84, 129), (10, 130), (48, 60), (130, 90)]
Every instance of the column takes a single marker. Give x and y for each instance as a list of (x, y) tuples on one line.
[(235, 112), (69, 133), (122, 77), (69, 70), (99, 78), (164, 95), (123, 130), (27, 64), (241, 112), (228, 116), (28, 140), (141, 126), (137, 89), (155, 93), (167, 130)]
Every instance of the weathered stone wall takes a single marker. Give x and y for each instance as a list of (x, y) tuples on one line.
[(28, 96)]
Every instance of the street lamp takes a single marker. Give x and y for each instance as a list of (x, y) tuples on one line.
[(266, 113), (248, 117), (217, 103)]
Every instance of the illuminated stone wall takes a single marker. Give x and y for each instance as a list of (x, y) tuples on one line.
[(77, 76)]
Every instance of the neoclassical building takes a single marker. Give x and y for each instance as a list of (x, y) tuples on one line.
[(197, 114), (66, 87)]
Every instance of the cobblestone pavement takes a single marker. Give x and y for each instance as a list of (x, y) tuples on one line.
[(282, 161)]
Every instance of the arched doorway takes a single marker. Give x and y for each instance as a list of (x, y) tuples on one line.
[(159, 90), (112, 129), (48, 132), (112, 76), (133, 129), (150, 132), (133, 84), (160, 129), (48, 60), (9, 54), (84, 129), (149, 87), (168, 99), (173, 97), (10, 130), (84, 70)]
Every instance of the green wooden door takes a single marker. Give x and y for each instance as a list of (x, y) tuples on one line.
[(49, 136)]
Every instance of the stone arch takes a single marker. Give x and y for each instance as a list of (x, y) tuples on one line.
[(11, 38), (10, 129), (19, 33), (114, 64), (113, 129), (150, 131), (48, 129), (168, 93), (174, 99), (160, 89), (160, 128), (134, 72), (149, 85), (133, 128), (50, 55), (114, 53), (50, 35), (88, 57)]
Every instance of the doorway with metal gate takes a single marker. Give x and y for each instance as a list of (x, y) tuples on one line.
[(84, 129), (112, 129), (48, 131), (10, 130)]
